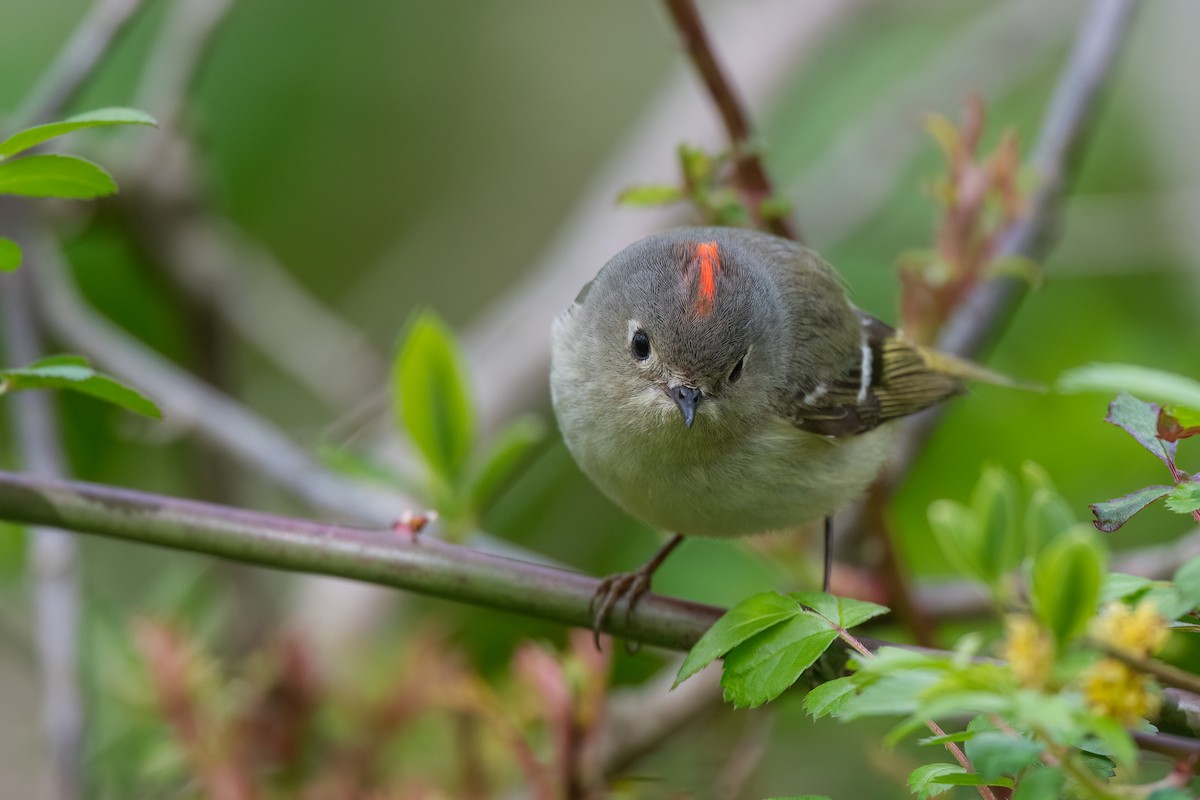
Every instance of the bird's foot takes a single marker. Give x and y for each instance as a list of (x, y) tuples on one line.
[(628, 585)]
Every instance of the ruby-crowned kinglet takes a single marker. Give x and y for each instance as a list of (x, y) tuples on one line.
[(718, 382)]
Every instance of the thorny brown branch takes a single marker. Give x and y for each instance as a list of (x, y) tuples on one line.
[(420, 564)]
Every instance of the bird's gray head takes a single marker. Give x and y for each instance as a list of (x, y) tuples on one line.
[(682, 318)]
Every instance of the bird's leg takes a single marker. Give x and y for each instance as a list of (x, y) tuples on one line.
[(828, 554), (628, 585)]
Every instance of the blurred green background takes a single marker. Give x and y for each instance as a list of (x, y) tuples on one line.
[(422, 154)]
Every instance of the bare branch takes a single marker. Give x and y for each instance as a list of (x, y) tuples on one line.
[(54, 555), (751, 174), (423, 565)]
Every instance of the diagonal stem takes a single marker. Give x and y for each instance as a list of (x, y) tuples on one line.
[(751, 175)]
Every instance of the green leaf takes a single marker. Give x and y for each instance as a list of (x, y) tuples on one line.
[(650, 195), (750, 617), (957, 532), (506, 453), (1112, 514), (1187, 580), (766, 665), (1164, 386), (1066, 582), (949, 738), (830, 697), (1046, 516), (1119, 586), (55, 176), (1043, 783), (994, 754), (1113, 740), (994, 503), (971, 779), (1170, 602), (842, 612), (10, 255), (31, 137), (1140, 420), (74, 374), (1177, 422), (429, 384), (1185, 498), (923, 782)]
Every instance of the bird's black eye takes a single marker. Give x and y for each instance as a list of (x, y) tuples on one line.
[(737, 370), (640, 346)]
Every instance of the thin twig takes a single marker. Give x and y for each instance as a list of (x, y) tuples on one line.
[(1164, 673), (54, 554), (751, 175), (91, 41)]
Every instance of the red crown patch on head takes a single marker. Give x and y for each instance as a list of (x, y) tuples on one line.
[(709, 263)]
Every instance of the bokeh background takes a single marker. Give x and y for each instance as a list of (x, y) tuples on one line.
[(377, 158)]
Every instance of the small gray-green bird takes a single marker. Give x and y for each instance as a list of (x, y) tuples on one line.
[(718, 382)]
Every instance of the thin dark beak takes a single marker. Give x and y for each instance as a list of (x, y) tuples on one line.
[(687, 399)]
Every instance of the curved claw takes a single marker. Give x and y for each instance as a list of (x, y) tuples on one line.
[(624, 585)]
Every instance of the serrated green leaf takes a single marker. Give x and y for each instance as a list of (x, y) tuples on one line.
[(891, 695), (31, 137), (843, 612), (958, 535), (1118, 586), (650, 195), (1177, 422), (748, 618), (766, 665), (55, 176), (1185, 498), (1112, 514), (1140, 420), (1042, 783), (829, 698), (994, 503), (1187, 580), (73, 374), (1164, 386), (506, 453), (994, 754), (923, 780), (1112, 740), (10, 255), (972, 779), (429, 384), (1066, 582)]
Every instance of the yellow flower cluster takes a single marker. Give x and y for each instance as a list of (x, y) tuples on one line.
[(1028, 649), (1111, 687), (1116, 691), (1139, 631)]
